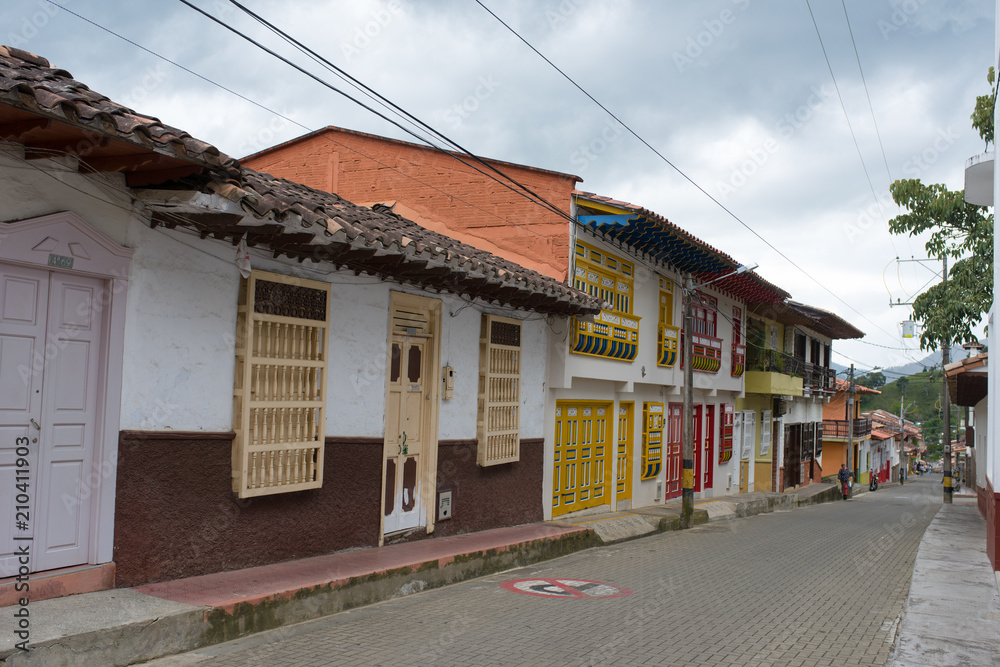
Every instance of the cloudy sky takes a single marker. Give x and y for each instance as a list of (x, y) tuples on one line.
[(736, 93)]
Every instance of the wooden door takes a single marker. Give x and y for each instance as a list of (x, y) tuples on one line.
[(675, 413), (698, 450), (709, 432), (405, 432), (582, 466), (623, 463), (50, 356)]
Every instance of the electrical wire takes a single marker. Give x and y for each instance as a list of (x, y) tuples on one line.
[(682, 173), (541, 202), (524, 227)]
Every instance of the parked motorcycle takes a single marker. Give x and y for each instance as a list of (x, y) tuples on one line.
[(873, 482)]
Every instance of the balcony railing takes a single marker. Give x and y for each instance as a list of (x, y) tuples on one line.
[(706, 353), (610, 335), (773, 361), (668, 346), (838, 428), (818, 378), (739, 360)]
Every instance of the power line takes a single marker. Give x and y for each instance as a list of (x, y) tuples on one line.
[(386, 102), (327, 84), (288, 119), (885, 160), (681, 172)]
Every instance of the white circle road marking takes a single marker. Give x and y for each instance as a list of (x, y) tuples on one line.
[(569, 589)]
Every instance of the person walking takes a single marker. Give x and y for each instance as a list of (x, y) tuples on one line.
[(844, 477)]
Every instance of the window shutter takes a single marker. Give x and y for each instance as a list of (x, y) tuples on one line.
[(499, 391), (748, 434), (279, 398), (765, 433)]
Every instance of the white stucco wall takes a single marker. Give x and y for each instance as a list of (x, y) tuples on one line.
[(180, 343)]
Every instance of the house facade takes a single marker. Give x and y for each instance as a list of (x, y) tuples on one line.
[(208, 368), (845, 436), (788, 384), (886, 452)]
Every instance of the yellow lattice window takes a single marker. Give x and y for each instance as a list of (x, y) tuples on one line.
[(604, 276), (499, 390), (614, 333), (279, 401), (652, 440), (669, 335)]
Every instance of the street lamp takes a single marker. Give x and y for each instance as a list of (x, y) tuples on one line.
[(687, 447)]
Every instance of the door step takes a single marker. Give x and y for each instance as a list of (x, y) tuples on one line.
[(59, 583)]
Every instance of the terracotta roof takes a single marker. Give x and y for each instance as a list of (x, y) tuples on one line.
[(317, 225), (44, 108), (827, 323), (749, 286), (48, 112), (844, 385)]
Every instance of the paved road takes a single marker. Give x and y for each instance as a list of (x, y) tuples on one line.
[(823, 585)]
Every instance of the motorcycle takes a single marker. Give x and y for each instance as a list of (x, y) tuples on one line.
[(873, 483)]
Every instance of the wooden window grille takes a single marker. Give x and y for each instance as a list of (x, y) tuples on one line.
[(652, 440), (499, 391), (279, 399), (669, 335), (726, 435)]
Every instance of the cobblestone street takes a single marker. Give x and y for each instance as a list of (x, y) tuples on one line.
[(823, 585)]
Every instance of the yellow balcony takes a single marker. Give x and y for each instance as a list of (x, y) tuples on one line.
[(668, 346), (610, 335), (706, 352), (768, 382)]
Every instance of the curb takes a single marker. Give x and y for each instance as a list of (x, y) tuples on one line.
[(197, 627)]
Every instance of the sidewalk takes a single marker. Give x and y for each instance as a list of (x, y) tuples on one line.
[(125, 626), (952, 616)]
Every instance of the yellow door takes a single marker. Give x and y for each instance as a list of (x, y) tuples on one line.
[(623, 482), (582, 470)]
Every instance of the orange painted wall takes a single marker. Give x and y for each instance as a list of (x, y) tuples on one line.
[(436, 191)]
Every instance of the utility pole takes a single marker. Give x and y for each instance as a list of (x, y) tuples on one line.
[(850, 423), (945, 360), (687, 446)]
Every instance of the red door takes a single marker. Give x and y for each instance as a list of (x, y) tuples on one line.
[(698, 449), (675, 414), (709, 446)]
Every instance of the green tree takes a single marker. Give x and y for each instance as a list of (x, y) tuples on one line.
[(872, 380), (963, 232)]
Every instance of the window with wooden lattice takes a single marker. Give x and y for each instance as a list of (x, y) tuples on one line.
[(499, 427), (279, 403)]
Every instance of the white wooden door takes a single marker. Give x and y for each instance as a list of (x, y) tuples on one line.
[(23, 306), (49, 385), (406, 412)]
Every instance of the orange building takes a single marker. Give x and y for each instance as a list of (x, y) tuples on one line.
[(835, 428), (437, 191)]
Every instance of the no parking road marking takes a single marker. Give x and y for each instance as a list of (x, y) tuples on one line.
[(567, 589)]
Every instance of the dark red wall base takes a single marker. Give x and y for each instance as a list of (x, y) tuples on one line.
[(489, 497), (992, 525), (176, 515)]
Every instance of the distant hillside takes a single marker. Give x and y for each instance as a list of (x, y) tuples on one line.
[(932, 360), (921, 393)]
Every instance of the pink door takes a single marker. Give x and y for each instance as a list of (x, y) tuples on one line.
[(50, 340)]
